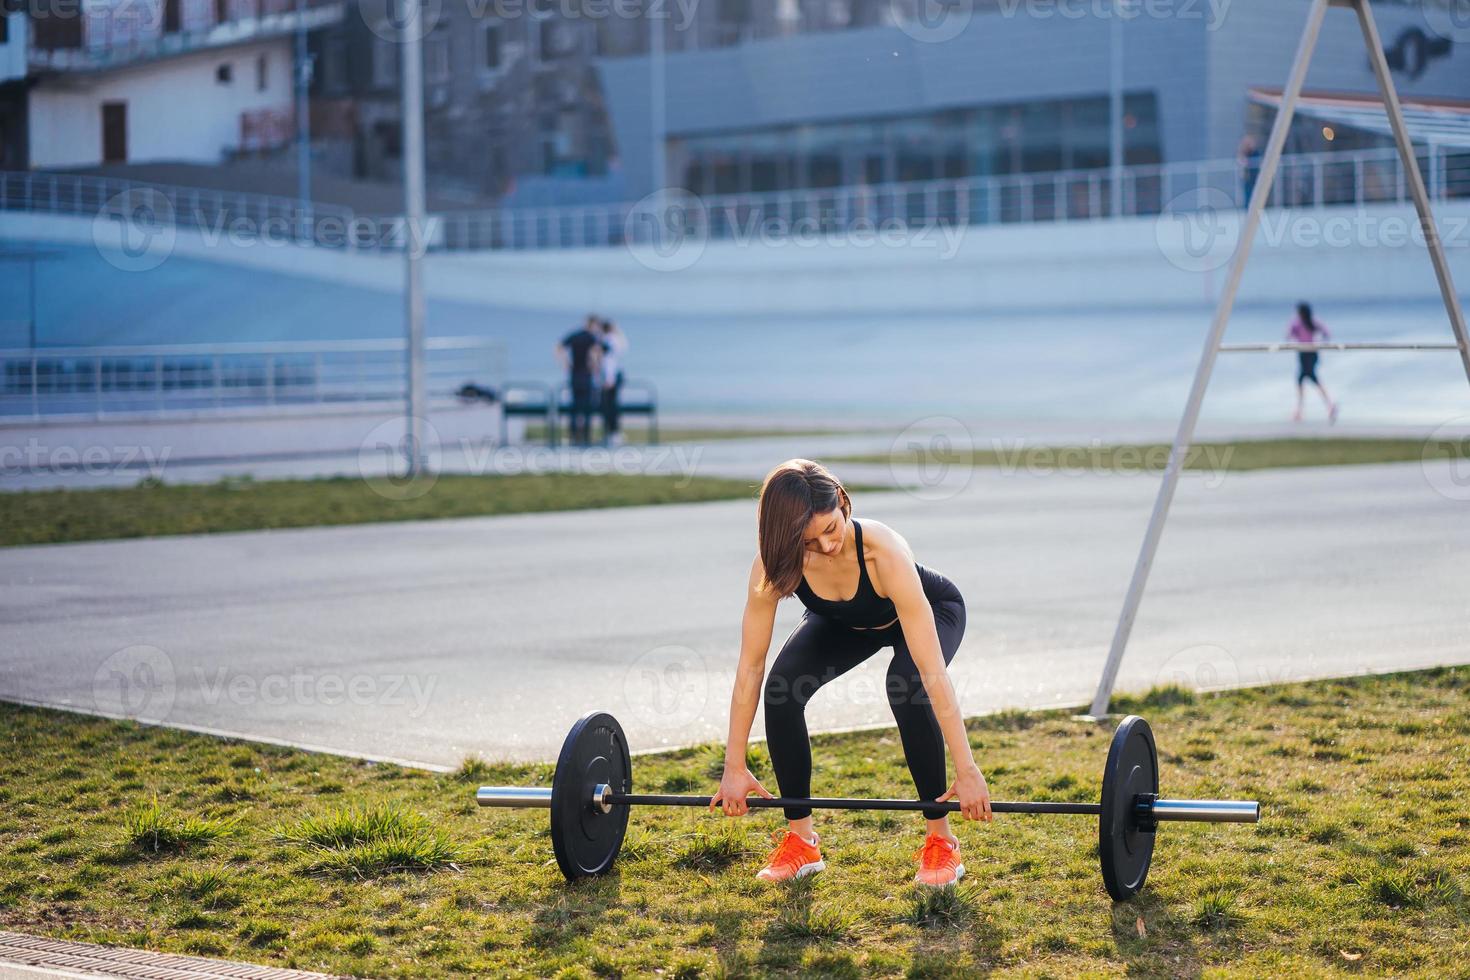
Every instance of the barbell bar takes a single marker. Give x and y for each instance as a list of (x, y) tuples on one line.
[(591, 793)]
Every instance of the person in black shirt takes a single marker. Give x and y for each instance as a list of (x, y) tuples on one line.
[(580, 355)]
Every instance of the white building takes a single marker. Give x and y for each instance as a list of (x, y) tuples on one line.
[(138, 81)]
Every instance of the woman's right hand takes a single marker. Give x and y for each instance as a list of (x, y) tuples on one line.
[(735, 786)]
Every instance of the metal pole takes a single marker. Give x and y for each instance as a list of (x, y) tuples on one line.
[(35, 329), (303, 123), (413, 193), (1182, 439), (658, 94), (1115, 105), (1415, 180)]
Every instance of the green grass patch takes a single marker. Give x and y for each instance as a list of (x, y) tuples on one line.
[(151, 508), (1361, 863), (154, 828), (1215, 457)]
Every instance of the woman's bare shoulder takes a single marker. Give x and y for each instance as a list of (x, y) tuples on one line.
[(879, 539)]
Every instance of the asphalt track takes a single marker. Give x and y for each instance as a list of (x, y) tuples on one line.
[(428, 642)]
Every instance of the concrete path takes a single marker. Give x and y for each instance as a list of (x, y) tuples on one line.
[(427, 642)]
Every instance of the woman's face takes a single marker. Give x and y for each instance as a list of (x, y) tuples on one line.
[(825, 533)]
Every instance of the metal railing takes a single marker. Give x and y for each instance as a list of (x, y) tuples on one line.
[(1305, 180), (154, 381)]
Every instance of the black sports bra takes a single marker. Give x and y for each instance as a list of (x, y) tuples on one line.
[(865, 610)]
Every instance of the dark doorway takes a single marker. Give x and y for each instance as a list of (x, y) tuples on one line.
[(114, 132), (173, 20)]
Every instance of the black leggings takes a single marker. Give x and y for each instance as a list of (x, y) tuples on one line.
[(820, 650)]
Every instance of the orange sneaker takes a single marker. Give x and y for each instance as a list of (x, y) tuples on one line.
[(792, 858), (939, 862)]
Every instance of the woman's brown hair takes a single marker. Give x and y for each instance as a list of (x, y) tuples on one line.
[(791, 495)]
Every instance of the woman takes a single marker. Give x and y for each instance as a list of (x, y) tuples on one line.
[(1305, 330), (614, 347), (811, 547)]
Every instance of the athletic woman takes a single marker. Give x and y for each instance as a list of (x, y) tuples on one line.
[(1305, 330), (863, 592)]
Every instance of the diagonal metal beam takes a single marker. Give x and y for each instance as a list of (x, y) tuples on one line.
[(1415, 179), (1185, 435)]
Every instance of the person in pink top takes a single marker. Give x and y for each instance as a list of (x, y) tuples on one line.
[(1305, 330)]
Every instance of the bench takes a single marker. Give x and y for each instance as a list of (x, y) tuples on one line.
[(638, 397), (527, 399)]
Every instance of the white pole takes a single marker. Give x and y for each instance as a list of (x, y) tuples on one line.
[(303, 122), (658, 117), (1185, 435), (1115, 105), (413, 193)]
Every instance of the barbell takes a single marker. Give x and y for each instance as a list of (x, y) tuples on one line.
[(592, 790)]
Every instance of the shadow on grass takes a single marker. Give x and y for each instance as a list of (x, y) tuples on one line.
[(572, 910)]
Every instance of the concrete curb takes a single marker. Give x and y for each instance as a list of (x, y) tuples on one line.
[(25, 957)]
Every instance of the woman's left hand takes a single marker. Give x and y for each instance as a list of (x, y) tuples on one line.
[(974, 795)]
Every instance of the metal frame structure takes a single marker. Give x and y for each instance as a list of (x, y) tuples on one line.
[(1250, 225)]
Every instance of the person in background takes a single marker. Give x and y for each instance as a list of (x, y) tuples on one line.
[(614, 346), (580, 355), (1305, 330), (1248, 161)]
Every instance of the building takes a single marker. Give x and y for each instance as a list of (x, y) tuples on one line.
[(97, 82), (1021, 88)]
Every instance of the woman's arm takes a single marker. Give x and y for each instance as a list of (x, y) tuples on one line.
[(756, 627), (900, 578)]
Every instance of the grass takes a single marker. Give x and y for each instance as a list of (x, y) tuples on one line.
[(151, 508), (117, 833), (1254, 454)]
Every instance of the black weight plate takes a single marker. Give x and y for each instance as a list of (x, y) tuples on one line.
[(1124, 847), (585, 839)]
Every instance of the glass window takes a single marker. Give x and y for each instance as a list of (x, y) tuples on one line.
[(385, 63)]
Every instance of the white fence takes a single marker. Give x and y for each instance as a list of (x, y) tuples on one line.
[(157, 381), (1306, 180)]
